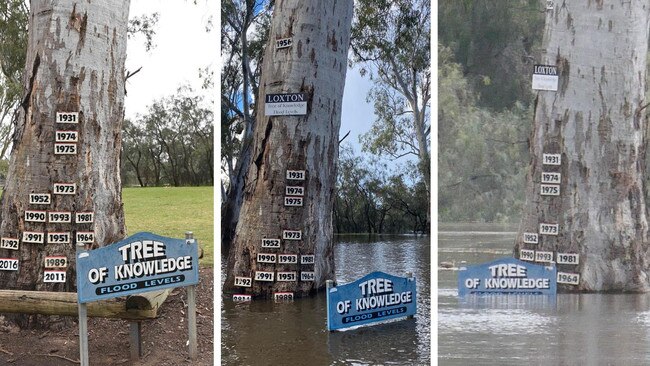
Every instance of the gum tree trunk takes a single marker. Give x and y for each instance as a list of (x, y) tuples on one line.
[(315, 64), (596, 121), (75, 63)]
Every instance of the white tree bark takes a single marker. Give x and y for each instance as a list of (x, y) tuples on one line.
[(75, 63), (596, 121), (316, 65)]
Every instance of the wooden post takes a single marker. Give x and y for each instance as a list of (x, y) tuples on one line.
[(83, 324), (410, 275), (191, 309), (328, 285), (134, 340), (67, 304)]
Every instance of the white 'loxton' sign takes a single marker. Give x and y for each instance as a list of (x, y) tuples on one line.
[(292, 104)]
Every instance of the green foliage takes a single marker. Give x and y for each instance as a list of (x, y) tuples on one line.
[(390, 40), (483, 155), (494, 40), (14, 20), (172, 144), (13, 49), (171, 211), (245, 28), (144, 25), (370, 201)]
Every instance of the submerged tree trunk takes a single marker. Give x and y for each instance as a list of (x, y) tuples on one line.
[(75, 63), (232, 206), (315, 64), (596, 123)]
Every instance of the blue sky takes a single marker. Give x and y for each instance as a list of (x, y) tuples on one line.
[(183, 47)]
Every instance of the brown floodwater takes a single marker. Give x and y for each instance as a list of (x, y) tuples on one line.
[(268, 333), (568, 329)]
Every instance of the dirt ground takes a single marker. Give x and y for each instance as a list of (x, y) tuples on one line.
[(164, 339)]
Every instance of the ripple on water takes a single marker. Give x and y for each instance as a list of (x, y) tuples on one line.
[(501, 321)]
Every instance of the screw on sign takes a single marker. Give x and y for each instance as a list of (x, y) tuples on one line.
[(54, 276), (266, 258), (294, 191), (58, 238), (241, 298), (283, 296), (65, 149), (568, 258), (283, 43), (543, 256), (287, 259), (56, 262), (66, 136), (307, 276), (287, 276), (243, 281), (549, 177), (295, 174), (84, 217), (39, 199), (551, 159), (9, 243), (292, 235), (35, 216), (59, 217), (527, 255), (87, 237), (531, 238), (568, 278), (271, 243), (307, 259), (549, 229), (33, 237), (8, 264), (65, 188), (550, 190), (292, 201), (264, 276), (67, 117)]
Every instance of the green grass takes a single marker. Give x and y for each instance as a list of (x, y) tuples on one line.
[(171, 211)]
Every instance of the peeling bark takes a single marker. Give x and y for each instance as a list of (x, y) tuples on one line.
[(75, 63), (282, 143), (601, 210)]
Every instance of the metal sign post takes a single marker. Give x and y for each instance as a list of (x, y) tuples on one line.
[(140, 263), (83, 323), (507, 275), (375, 297), (191, 308)]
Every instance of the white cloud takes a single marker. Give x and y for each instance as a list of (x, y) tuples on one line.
[(182, 47)]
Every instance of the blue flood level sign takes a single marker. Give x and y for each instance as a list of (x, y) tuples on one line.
[(140, 263), (377, 296), (507, 276)]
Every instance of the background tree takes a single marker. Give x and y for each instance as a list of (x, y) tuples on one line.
[(244, 32), (171, 144), (315, 65), (596, 122), (485, 56), (497, 43), (368, 200), (13, 44), (482, 154), (390, 39), (78, 69)]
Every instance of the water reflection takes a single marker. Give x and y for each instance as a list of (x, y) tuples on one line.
[(365, 340), (574, 329), (267, 333), (509, 301)]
